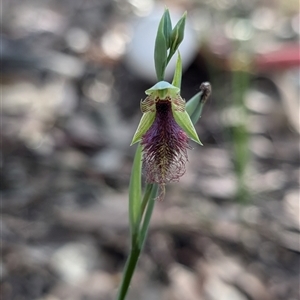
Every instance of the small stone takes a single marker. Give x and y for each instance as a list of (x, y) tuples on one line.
[(292, 208), (184, 284), (216, 289), (74, 261)]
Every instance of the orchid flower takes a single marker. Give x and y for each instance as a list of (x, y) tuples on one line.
[(163, 132)]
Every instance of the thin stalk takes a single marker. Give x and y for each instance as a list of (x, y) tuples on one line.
[(240, 83), (145, 200), (148, 213), (137, 246), (128, 272)]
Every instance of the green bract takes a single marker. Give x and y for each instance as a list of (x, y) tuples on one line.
[(164, 91)]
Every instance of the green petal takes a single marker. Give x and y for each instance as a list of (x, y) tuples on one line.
[(178, 104), (183, 120), (148, 105), (145, 123)]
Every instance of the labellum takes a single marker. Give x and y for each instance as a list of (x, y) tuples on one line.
[(164, 131)]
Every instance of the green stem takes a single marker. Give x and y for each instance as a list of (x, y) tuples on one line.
[(240, 83), (149, 209), (147, 194), (138, 240), (128, 272)]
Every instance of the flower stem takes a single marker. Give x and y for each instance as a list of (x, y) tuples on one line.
[(148, 213), (138, 239), (128, 272)]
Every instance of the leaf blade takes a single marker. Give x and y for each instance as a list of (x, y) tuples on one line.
[(160, 51), (135, 191), (167, 27), (177, 36)]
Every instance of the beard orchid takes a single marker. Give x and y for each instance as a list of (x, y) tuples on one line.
[(163, 132)]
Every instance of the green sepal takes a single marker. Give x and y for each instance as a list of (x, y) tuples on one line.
[(182, 118), (178, 73), (162, 85), (145, 123)]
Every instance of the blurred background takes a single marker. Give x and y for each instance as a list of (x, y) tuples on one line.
[(73, 74)]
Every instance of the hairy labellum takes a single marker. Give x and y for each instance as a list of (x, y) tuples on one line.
[(165, 147)]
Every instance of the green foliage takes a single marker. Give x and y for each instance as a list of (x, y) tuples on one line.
[(161, 47), (167, 27), (240, 135), (167, 42), (135, 191), (177, 36)]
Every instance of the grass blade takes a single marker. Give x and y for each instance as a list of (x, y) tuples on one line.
[(135, 191)]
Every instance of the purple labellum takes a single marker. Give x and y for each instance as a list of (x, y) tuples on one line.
[(165, 147)]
